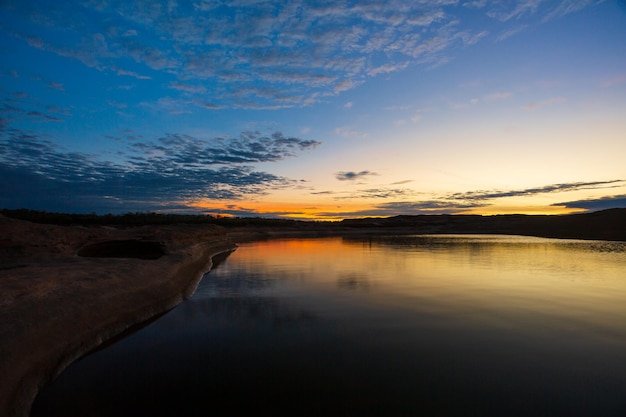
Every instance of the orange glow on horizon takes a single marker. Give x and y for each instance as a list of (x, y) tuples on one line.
[(328, 212), (301, 211)]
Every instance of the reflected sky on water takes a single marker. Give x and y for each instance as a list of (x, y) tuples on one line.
[(387, 325)]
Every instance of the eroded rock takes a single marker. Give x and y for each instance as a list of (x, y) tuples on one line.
[(131, 248)]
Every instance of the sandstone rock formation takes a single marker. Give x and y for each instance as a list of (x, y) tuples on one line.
[(55, 304)]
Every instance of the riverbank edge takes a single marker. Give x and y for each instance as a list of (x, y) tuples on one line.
[(97, 335)]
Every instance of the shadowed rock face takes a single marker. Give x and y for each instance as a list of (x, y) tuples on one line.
[(131, 248), (56, 305)]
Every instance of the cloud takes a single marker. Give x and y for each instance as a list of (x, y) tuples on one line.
[(56, 86), (239, 211), (397, 208), (133, 74), (438, 206), (151, 175), (523, 7), (614, 81), (472, 38), (116, 104), (597, 203), (553, 188), (511, 32), (18, 106), (387, 68), (547, 10), (477, 4), (348, 132), (352, 176), (547, 102), (461, 202), (188, 88), (568, 6), (500, 95), (379, 193), (248, 148), (43, 117)]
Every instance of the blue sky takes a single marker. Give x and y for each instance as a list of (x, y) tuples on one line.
[(313, 109)]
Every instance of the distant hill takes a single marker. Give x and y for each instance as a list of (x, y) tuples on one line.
[(605, 225)]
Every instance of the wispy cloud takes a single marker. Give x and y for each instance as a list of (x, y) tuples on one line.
[(56, 86), (504, 12), (396, 208), (352, 175), (188, 88), (497, 96), (133, 74), (614, 81), (565, 7), (552, 188), (43, 117), (19, 106), (547, 102), (348, 132), (407, 201), (511, 32), (475, 4), (242, 211), (417, 117)]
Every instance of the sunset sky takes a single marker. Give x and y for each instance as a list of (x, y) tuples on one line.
[(313, 109)]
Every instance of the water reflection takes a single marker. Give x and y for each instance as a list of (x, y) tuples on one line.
[(354, 282), (409, 325)]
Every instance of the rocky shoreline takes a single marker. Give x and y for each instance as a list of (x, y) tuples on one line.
[(56, 305)]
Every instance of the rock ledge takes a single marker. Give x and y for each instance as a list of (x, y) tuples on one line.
[(56, 305)]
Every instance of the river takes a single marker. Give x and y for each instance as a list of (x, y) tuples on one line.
[(439, 325)]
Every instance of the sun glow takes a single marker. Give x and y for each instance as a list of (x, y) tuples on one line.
[(289, 210)]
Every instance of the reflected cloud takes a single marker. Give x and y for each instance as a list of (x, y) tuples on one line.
[(353, 282), (244, 311)]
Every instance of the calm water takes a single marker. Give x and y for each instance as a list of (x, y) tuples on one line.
[(408, 325)]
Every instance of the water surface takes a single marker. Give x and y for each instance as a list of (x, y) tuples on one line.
[(436, 325)]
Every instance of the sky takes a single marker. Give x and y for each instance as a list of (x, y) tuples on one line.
[(313, 109)]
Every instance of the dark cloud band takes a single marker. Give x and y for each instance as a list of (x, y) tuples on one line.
[(351, 175), (157, 174)]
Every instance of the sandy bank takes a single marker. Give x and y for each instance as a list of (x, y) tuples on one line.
[(56, 305)]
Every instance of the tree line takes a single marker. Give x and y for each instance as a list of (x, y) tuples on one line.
[(143, 219)]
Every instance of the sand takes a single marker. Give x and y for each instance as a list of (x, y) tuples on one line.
[(56, 305)]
